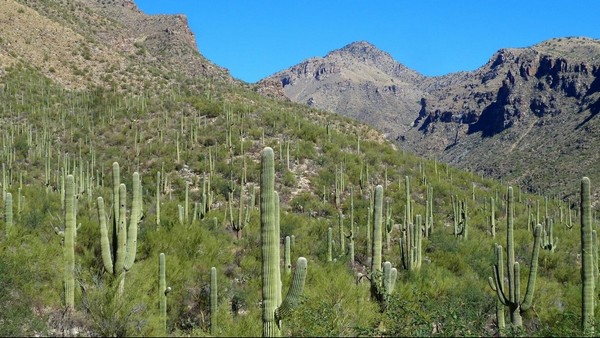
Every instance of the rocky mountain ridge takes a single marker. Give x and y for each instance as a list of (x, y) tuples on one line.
[(520, 99)]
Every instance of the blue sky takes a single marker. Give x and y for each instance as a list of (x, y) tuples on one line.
[(254, 39)]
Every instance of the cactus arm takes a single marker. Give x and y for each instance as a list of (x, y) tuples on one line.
[(104, 242), (403, 253), (116, 183), (517, 269), (498, 275), (287, 261), (528, 300), (393, 278), (389, 277), (491, 281), (293, 296), (497, 286), (135, 217)]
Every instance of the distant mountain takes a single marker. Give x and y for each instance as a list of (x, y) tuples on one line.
[(359, 81), (527, 115)]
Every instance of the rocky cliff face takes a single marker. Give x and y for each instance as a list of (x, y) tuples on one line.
[(521, 116), (535, 81), (165, 39)]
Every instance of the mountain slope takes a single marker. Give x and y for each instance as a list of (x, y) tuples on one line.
[(111, 44), (522, 99)]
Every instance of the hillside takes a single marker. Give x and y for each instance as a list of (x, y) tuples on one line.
[(498, 120), (110, 44), (183, 168)]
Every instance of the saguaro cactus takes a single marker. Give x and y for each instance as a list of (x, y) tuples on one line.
[(493, 217), (8, 213), (587, 260), (510, 297), (410, 245), (382, 281), (123, 252), (163, 291), (329, 244), (287, 259), (243, 218), (389, 277), (461, 228), (69, 244), (353, 230), (389, 224), (429, 211), (213, 301), (341, 233), (548, 241), (377, 240), (158, 198), (273, 310)]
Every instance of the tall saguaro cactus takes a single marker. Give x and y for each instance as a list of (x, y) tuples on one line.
[(158, 198), (163, 291), (329, 244), (273, 309), (377, 239), (119, 258), (8, 213), (69, 244), (382, 279), (587, 262), (213, 301), (511, 297), (493, 217)]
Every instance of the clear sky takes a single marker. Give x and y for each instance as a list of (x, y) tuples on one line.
[(254, 39)]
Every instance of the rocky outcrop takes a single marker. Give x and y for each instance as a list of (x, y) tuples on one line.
[(164, 40), (272, 89)]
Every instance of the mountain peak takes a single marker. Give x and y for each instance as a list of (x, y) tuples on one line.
[(360, 49), (362, 46)]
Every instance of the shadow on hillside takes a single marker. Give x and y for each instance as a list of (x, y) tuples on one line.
[(594, 110)]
